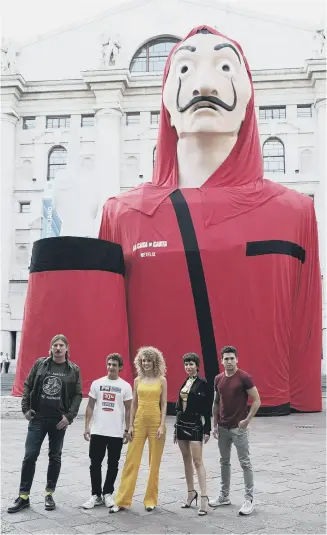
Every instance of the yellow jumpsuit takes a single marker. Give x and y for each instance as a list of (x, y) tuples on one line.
[(146, 424)]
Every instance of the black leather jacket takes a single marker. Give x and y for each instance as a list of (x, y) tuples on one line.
[(198, 402), (73, 392)]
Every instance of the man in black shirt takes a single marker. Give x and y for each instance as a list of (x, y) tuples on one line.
[(51, 399)]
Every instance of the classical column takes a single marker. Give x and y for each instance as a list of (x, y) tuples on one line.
[(108, 149), (321, 172), (8, 142)]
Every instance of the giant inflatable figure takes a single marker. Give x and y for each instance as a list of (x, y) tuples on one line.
[(214, 253)]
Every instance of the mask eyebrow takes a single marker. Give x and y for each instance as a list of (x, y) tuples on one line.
[(186, 47), (227, 45)]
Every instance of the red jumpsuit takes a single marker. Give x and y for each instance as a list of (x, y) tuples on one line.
[(234, 262)]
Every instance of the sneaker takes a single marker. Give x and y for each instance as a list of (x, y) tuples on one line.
[(93, 502), (220, 500), (246, 508), (108, 500), (19, 504), (49, 503)]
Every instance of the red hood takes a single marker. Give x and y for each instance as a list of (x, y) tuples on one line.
[(237, 185), (244, 163)]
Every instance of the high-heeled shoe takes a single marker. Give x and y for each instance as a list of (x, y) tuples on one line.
[(116, 509), (187, 505), (203, 512)]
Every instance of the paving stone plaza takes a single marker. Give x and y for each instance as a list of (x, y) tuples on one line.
[(288, 456)]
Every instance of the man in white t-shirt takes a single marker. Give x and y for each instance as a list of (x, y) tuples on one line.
[(110, 400)]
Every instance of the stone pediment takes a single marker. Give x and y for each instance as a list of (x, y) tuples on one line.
[(110, 40)]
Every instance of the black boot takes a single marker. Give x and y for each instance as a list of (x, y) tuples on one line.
[(49, 502), (20, 504)]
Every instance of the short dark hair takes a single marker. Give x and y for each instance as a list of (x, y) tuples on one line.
[(192, 357), (117, 357), (228, 349)]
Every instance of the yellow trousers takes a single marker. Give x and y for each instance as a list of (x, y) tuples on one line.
[(145, 427)]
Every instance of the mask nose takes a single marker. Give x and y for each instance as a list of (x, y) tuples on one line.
[(205, 91)]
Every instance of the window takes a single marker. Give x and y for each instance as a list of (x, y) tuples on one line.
[(28, 123), (58, 122), (272, 112), (87, 120), (152, 56), (154, 155), (24, 207), (133, 118), (304, 110), (273, 153), (155, 117), (57, 161)]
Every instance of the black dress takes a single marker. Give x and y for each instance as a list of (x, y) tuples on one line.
[(195, 421)]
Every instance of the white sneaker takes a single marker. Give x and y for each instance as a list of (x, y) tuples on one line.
[(92, 502), (220, 500), (246, 508), (108, 500)]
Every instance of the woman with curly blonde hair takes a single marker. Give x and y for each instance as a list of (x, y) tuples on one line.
[(147, 421)]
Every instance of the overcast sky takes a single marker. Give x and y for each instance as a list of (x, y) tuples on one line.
[(25, 19)]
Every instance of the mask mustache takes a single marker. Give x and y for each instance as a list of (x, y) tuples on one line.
[(212, 100)]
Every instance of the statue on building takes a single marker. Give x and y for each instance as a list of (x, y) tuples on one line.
[(110, 49), (319, 40), (214, 253), (9, 55)]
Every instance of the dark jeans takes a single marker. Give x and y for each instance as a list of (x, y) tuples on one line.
[(37, 430), (98, 446)]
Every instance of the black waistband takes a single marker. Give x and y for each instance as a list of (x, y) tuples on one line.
[(75, 253)]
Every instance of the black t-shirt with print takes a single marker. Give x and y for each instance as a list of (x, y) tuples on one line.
[(50, 399)]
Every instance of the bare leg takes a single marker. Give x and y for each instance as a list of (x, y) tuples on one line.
[(184, 446), (196, 449)]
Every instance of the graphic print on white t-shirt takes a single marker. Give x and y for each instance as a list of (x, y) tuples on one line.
[(109, 396), (109, 410)]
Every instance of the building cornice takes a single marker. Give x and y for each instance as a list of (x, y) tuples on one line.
[(13, 81), (107, 78), (122, 81)]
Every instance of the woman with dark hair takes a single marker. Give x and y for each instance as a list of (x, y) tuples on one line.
[(192, 428)]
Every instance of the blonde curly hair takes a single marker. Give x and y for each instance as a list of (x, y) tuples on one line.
[(152, 353)]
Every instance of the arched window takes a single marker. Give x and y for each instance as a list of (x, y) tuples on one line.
[(154, 155), (273, 153), (152, 56), (57, 161)]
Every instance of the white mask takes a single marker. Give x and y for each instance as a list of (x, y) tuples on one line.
[(207, 65)]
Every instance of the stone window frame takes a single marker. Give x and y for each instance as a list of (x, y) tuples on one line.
[(276, 154), (52, 166)]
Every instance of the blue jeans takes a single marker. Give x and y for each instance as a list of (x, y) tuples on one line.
[(37, 430)]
